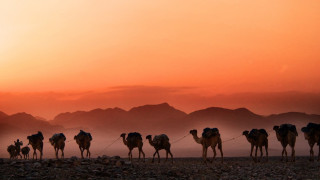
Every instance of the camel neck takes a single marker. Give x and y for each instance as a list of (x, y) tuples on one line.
[(151, 142), (196, 138), (124, 140)]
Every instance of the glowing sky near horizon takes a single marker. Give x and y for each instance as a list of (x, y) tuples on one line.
[(225, 46)]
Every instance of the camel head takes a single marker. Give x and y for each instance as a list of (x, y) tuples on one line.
[(193, 132), (245, 132), (30, 139), (123, 135), (276, 128), (77, 139), (51, 141), (307, 132), (149, 137)]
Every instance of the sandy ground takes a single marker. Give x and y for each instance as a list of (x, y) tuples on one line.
[(182, 168)]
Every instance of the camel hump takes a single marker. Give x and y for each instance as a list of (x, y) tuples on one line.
[(159, 139), (63, 136), (313, 126), (40, 135), (210, 132), (263, 131), (11, 148), (285, 128), (58, 136), (134, 135), (253, 134), (83, 133)]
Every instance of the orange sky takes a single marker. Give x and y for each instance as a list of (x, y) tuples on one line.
[(220, 46)]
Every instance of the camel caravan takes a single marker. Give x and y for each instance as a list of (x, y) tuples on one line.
[(258, 138)]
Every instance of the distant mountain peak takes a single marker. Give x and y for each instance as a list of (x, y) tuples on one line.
[(149, 106), (3, 115)]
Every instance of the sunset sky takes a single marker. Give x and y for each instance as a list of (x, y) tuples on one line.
[(203, 47)]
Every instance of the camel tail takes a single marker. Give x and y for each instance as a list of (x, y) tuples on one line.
[(294, 129)]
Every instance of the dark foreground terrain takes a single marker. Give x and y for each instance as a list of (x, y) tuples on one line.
[(183, 168)]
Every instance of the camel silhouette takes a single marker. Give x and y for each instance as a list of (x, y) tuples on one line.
[(286, 134), (58, 142), (210, 138), (160, 142), (25, 151), (312, 135), (84, 139), (35, 141), (134, 140), (257, 138)]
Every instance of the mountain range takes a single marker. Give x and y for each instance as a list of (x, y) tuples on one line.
[(157, 118)]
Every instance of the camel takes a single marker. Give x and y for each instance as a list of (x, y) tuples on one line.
[(84, 139), (287, 134), (14, 150), (210, 137), (133, 140), (35, 141), (160, 142), (25, 151), (257, 138), (312, 135), (57, 141)]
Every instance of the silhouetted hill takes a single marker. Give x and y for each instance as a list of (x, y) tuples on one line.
[(147, 116), (2, 115), (163, 117), (236, 118), (158, 112), (294, 117), (25, 123), (158, 118)]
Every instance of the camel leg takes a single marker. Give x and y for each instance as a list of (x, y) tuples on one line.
[(311, 153), (285, 152), (293, 154), (319, 154), (56, 151), (261, 153), (203, 157), (267, 154), (205, 154), (81, 150), (129, 155), (251, 152), (214, 153), (282, 154), (166, 155), (139, 155), (41, 153), (34, 153), (158, 156), (144, 156), (255, 155), (170, 155), (62, 153), (154, 154)]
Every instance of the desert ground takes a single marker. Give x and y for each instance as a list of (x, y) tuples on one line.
[(183, 168)]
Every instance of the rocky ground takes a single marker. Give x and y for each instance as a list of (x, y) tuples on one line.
[(183, 168)]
